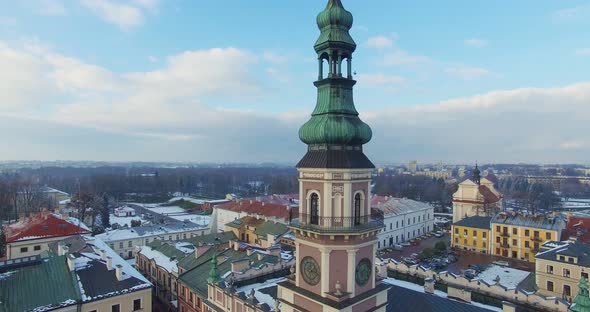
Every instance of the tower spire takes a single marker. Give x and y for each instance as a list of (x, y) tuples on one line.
[(582, 301), (214, 277), (476, 175), (335, 134)]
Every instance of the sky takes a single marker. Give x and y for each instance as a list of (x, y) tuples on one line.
[(232, 81)]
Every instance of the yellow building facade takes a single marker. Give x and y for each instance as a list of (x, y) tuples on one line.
[(559, 266), (520, 236), (472, 234)]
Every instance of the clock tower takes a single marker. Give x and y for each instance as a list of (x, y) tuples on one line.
[(335, 235)]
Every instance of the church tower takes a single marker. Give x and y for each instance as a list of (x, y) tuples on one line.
[(335, 235)]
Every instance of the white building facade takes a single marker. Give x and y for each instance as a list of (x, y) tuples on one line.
[(404, 219)]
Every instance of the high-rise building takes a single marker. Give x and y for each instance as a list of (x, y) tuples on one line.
[(336, 239), (413, 166)]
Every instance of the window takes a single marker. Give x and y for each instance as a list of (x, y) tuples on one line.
[(514, 242), (570, 260), (136, 304), (391, 226), (112, 246), (498, 239), (147, 240), (130, 244), (484, 245), (584, 275), (567, 290), (177, 237), (548, 236), (527, 232), (402, 222), (184, 236), (474, 233), (37, 247), (498, 228), (484, 234), (474, 243), (418, 218), (170, 237), (550, 269), (549, 285), (561, 258), (456, 240), (357, 209), (120, 244), (414, 220), (536, 233), (190, 297), (24, 249), (314, 209), (116, 308), (396, 224), (514, 231), (409, 221), (465, 232), (566, 272), (456, 230)]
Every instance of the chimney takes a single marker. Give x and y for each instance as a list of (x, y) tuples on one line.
[(200, 250), (60, 248), (508, 306), (260, 256), (249, 251), (109, 263), (103, 255), (71, 262), (429, 285), (275, 251), (236, 246), (119, 272)]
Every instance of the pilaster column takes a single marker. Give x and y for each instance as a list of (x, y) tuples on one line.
[(350, 285), (339, 65), (372, 276), (320, 69), (349, 60), (331, 65), (325, 268), (297, 262)]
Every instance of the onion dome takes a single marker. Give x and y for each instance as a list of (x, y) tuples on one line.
[(334, 23), (335, 129)]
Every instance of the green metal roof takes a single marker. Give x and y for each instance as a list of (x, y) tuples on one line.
[(269, 227), (582, 301), (334, 23), (167, 248), (41, 286)]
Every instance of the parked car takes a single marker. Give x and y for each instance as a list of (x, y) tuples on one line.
[(406, 244), (523, 268), (398, 247), (438, 234), (502, 263), (415, 242), (286, 256)]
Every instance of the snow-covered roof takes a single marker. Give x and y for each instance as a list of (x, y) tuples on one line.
[(161, 259), (509, 278), (148, 231)]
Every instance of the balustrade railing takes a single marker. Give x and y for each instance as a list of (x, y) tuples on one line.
[(336, 224)]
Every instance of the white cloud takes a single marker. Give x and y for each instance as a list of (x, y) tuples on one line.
[(476, 42), (77, 110), (572, 14), (380, 42), (276, 58), (125, 16), (403, 58), (468, 73), (583, 52), (50, 7), (382, 80), (152, 59)]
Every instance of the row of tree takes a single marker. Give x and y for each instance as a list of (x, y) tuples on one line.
[(431, 190), (534, 197)]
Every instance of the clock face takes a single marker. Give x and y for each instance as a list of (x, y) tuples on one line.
[(310, 270), (363, 272)]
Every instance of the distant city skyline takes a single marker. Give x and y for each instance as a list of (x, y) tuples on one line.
[(148, 80)]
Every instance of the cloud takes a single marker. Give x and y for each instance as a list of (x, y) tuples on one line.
[(476, 43), (276, 58), (380, 42), (124, 16), (403, 58), (382, 80), (572, 14), (468, 73), (583, 52), (64, 108)]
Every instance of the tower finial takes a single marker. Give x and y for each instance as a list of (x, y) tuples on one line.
[(214, 277), (476, 175)]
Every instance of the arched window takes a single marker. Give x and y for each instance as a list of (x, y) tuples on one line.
[(357, 209), (314, 209)]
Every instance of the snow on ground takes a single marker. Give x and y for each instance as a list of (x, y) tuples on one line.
[(122, 221), (167, 210), (197, 219), (188, 199), (509, 278)]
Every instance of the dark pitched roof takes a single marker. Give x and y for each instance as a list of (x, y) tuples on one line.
[(529, 220), (488, 196), (100, 283), (335, 159), (578, 250), (477, 222), (403, 299)]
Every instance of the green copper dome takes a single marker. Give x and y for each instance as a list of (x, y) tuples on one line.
[(334, 23)]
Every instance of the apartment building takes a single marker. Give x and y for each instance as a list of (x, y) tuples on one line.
[(472, 233)]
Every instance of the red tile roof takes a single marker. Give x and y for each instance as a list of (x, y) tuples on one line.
[(578, 227), (41, 225), (251, 206), (488, 196)]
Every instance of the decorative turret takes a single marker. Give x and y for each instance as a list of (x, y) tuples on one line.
[(335, 134), (476, 175), (214, 277), (582, 301)]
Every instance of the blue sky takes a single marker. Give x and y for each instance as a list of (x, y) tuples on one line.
[(423, 68)]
